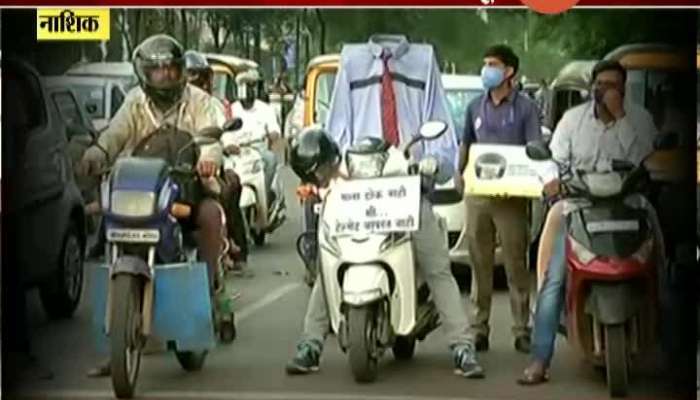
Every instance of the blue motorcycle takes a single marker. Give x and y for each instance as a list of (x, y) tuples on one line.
[(152, 283)]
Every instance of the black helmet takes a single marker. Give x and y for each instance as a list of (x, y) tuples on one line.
[(199, 72), (159, 64), (311, 150)]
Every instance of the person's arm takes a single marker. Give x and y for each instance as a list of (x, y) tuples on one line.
[(339, 122), (272, 124), (435, 108), (636, 132), (560, 147), (113, 139), (204, 116)]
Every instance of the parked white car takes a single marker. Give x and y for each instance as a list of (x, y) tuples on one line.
[(100, 97)]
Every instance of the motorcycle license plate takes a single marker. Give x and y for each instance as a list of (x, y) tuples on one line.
[(613, 226), (133, 235)]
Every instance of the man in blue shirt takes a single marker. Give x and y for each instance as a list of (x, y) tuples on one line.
[(388, 88), (502, 115)]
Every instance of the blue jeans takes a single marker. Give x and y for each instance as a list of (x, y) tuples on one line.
[(550, 301)]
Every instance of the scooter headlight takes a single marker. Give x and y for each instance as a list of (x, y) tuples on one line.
[(129, 203), (366, 165)]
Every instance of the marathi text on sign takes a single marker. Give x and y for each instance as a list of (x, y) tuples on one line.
[(375, 206), (77, 24)]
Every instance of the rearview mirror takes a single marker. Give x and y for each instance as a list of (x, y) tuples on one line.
[(538, 150), (432, 129), (666, 141), (233, 124)]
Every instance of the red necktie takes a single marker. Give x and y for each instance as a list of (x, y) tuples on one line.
[(390, 124)]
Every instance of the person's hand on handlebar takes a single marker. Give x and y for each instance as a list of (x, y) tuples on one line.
[(93, 161), (206, 168)]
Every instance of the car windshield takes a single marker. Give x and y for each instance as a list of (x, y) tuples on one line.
[(92, 97), (458, 100), (219, 85)]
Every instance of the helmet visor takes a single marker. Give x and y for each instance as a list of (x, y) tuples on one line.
[(161, 74)]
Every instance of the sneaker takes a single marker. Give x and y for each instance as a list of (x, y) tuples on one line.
[(522, 344), (466, 363), (306, 359)]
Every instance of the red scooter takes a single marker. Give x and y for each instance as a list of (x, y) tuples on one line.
[(612, 299)]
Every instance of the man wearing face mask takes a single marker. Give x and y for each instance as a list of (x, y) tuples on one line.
[(587, 138), (259, 121), (503, 115)]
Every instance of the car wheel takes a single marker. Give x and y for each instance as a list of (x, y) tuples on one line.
[(60, 294)]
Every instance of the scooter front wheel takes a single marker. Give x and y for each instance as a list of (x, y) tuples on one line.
[(616, 360), (362, 341), (125, 334)]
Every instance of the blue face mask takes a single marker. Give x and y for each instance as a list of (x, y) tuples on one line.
[(492, 77)]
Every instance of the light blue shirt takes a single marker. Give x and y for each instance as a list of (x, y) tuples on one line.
[(356, 110)]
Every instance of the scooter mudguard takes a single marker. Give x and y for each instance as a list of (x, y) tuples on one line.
[(364, 284), (182, 306), (248, 197), (612, 303)]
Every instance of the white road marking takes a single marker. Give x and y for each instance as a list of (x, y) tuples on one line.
[(266, 300), (215, 395)]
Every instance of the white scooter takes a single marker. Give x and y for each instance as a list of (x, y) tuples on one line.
[(261, 218), (375, 298)]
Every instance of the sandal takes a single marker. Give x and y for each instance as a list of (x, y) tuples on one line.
[(530, 378)]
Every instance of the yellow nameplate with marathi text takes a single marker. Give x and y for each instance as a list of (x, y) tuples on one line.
[(72, 24)]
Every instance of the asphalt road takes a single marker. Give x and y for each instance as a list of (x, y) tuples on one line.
[(269, 317)]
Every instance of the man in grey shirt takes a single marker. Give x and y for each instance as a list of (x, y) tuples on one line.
[(500, 116)]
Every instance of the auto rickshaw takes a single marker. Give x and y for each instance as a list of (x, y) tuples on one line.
[(225, 68), (570, 88)]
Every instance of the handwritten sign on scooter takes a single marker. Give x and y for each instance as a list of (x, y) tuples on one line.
[(504, 170), (375, 205)]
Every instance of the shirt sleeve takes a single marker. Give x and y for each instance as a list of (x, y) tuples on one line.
[(435, 108), (120, 128), (339, 124), (561, 139), (272, 124), (205, 117), (636, 132)]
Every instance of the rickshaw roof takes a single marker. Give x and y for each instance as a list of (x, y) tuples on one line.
[(236, 63), (576, 73), (649, 56), (323, 59)]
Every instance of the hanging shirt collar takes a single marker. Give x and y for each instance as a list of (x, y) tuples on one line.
[(397, 45)]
